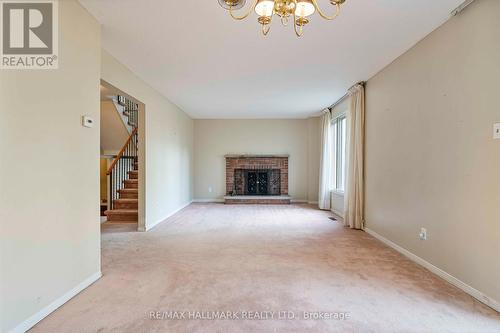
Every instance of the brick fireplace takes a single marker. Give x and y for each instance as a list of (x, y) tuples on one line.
[(258, 179)]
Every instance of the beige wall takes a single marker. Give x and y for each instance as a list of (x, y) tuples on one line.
[(431, 161), (49, 174), (168, 141), (215, 138)]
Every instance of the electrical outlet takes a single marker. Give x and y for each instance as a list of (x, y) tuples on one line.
[(423, 234), (496, 131), (210, 189), (87, 121)]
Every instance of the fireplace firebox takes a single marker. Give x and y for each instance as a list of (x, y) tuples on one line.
[(257, 182)]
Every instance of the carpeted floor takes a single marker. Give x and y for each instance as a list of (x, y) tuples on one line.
[(264, 264)]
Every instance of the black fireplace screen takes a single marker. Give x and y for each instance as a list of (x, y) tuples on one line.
[(257, 182)]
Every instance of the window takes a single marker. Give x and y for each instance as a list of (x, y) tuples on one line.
[(339, 131)]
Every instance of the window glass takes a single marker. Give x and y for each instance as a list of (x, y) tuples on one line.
[(339, 137), (334, 155)]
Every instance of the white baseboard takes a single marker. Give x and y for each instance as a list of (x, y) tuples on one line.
[(149, 227), (208, 200), (439, 272), (298, 201), (37, 317), (312, 202)]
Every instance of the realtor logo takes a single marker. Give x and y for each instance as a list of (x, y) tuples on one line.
[(29, 34)]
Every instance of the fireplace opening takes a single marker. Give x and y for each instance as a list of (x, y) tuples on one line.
[(257, 182)]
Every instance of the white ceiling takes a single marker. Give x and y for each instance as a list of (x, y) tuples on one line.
[(214, 67)]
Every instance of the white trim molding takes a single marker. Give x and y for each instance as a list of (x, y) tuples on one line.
[(37, 317), (298, 201), (208, 200), (439, 272), (149, 227)]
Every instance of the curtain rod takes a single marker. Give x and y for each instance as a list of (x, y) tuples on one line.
[(341, 99), (461, 8)]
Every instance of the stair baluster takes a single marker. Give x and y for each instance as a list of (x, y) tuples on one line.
[(119, 169)]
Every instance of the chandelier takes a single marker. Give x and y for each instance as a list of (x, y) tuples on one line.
[(299, 10)]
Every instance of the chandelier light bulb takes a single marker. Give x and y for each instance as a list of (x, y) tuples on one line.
[(265, 8), (304, 8)]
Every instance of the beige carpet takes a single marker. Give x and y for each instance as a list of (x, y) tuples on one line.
[(258, 261)]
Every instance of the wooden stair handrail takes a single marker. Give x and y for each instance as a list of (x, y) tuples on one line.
[(122, 151)]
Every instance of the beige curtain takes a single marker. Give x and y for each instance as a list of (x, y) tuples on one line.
[(325, 166), (355, 183)]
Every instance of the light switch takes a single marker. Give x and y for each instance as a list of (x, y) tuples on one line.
[(496, 131), (87, 121)]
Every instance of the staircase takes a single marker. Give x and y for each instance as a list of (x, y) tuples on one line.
[(124, 173)]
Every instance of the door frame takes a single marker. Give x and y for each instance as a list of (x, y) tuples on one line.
[(141, 132)]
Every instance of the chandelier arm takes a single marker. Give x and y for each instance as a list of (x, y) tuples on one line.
[(323, 15), (300, 32), (294, 17), (239, 18), (284, 21), (266, 27), (264, 30)]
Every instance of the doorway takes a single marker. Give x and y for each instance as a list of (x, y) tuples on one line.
[(122, 160)]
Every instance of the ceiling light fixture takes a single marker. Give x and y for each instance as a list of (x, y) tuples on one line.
[(299, 10)]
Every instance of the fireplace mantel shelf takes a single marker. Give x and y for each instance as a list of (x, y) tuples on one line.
[(256, 156)]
